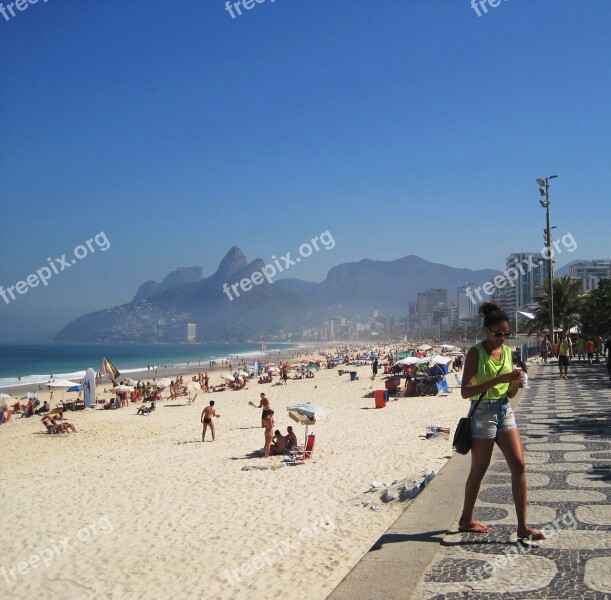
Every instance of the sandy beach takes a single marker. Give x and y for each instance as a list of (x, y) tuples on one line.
[(139, 507)]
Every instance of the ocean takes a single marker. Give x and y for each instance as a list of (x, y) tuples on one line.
[(35, 363)]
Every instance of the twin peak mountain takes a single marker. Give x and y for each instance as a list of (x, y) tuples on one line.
[(159, 312)]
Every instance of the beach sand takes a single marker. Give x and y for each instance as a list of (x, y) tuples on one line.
[(139, 507)]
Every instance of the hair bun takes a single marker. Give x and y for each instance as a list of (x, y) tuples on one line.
[(487, 308)]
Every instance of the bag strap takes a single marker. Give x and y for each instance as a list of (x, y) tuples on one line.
[(474, 408)]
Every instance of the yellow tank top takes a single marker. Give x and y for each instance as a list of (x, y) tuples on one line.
[(488, 368)]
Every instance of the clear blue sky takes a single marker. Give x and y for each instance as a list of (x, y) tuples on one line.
[(402, 126)]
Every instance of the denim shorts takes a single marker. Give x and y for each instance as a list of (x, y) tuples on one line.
[(492, 417)]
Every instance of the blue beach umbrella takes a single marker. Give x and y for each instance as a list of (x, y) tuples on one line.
[(76, 388)]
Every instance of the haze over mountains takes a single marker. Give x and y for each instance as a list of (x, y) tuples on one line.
[(160, 312)]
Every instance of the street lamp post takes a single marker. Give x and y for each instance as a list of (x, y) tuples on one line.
[(544, 191)]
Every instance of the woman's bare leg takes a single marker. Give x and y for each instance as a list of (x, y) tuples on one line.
[(511, 446), (481, 452)]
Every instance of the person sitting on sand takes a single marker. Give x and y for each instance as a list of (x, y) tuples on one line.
[(268, 423), (207, 415), (143, 410), (290, 438), (45, 408), (278, 444)]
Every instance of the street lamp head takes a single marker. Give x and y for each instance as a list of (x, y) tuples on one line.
[(541, 181), (553, 177), (542, 191), (544, 203)]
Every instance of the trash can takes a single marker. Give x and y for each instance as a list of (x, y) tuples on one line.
[(380, 398), (352, 375), (340, 372)]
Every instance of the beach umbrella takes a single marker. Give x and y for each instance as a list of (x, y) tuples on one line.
[(410, 360), (243, 374), (227, 377), (441, 360), (122, 388), (193, 387), (3, 401), (307, 414), (75, 388), (162, 383)]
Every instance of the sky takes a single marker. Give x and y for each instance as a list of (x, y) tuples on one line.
[(174, 131)]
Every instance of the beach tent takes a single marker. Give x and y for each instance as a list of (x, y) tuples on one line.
[(307, 414), (60, 383)]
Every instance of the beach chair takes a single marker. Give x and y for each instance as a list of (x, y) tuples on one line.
[(458, 380), (303, 452), (442, 387)]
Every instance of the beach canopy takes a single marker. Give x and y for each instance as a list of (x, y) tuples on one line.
[(59, 383)]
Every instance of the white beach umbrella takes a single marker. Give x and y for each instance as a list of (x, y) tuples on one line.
[(306, 414), (162, 383), (424, 348), (441, 360), (122, 388), (227, 377), (410, 360)]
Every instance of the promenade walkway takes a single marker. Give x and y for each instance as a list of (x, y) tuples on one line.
[(566, 429)]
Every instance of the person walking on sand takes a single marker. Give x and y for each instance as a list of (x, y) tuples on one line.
[(565, 353), (489, 376), (269, 432), (207, 415)]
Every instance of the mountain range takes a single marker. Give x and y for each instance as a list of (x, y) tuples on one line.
[(160, 311)]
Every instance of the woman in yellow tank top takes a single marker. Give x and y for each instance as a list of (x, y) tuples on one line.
[(489, 373)]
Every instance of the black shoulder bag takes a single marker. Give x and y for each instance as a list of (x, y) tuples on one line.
[(462, 435)]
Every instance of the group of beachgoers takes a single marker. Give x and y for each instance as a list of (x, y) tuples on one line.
[(587, 348)]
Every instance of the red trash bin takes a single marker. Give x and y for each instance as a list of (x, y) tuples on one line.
[(380, 398)]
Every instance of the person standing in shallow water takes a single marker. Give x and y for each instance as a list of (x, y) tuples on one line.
[(489, 371)]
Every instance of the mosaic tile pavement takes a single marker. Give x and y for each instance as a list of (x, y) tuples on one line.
[(566, 432)]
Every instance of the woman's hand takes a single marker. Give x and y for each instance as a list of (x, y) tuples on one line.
[(510, 377)]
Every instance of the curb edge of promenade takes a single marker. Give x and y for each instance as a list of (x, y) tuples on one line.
[(393, 567)]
